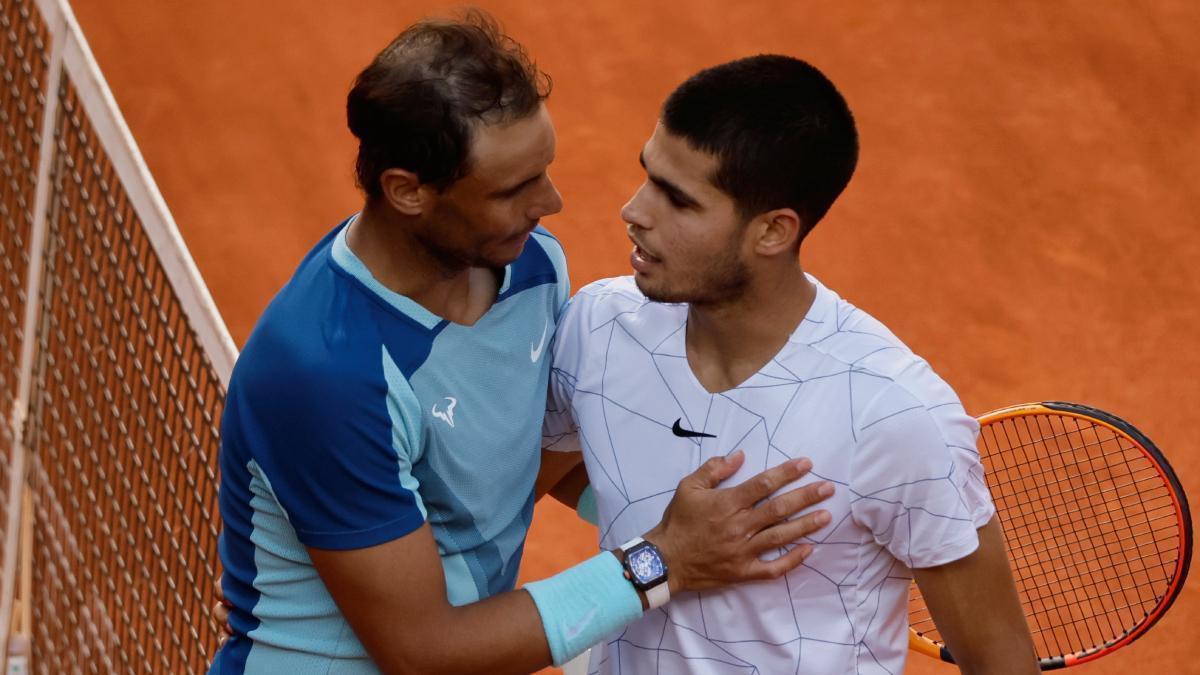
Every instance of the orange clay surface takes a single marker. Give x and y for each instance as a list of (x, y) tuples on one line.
[(1024, 214)]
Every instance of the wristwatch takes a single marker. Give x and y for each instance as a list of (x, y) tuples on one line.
[(645, 567)]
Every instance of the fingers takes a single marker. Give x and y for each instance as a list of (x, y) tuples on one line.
[(768, 482), (711, 473), (784, 506), (788, 532), (712, 537), (773, 569), (221, 613), (221, 616)]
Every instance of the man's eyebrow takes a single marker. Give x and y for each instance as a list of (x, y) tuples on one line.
[(673, 191)]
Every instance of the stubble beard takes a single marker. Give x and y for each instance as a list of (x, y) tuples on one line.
[(725, 280), (449, 258)]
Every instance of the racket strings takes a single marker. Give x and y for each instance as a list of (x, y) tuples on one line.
[(1082, 621), (1081, 506), (1038, 535), (1138, 499), (1052, 535), (1075, 590), (1169, 531), (1037, 584), (1150, 474)]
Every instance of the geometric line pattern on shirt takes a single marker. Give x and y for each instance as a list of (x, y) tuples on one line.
[(724, 653)]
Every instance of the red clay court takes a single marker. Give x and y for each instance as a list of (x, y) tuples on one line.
[(1024, 215)]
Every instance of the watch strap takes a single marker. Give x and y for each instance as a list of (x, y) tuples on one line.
[(630, 544), (657, 596)]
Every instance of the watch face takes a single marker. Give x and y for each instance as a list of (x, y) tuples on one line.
[(645, 565)]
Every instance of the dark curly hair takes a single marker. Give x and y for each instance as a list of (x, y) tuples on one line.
[(416, 105)]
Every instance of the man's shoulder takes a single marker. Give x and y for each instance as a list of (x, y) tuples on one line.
[(886, 387), (541, 262), (838, 330), (548, 243), (613, 290), (612, 314), (870, 353), (619, 299), (296, 374), (315, 344)]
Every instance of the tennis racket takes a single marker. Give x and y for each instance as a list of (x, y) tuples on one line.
[(1097, 526)]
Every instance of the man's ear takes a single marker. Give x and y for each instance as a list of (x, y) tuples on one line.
[(404, 191), (779, 231)]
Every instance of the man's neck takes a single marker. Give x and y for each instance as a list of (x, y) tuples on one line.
[(729, 342), (402, 263)]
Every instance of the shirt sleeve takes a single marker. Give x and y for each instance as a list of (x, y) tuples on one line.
[(916, 481), (336, 452), (560, 433), (558, 258)]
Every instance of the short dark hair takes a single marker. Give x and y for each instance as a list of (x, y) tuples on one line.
[(415, 106), (782, 134)]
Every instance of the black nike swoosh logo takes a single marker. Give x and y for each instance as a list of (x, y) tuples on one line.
[(684, 433)]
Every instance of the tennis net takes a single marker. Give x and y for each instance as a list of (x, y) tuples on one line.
[(113, 365)]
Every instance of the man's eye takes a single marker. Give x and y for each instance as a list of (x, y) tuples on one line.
[(675, 201), (522, 187)]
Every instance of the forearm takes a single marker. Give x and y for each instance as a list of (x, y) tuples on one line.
[(521, 631), (990, 647), (502, 634), (395, 599), (547, 622), (975, 605), (1002, 657)]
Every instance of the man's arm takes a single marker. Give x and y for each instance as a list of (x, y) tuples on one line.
[(558, 468), (974, 603), (571, 487), (394, 594)]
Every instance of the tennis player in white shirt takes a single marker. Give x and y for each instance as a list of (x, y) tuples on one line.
[(721, 343)]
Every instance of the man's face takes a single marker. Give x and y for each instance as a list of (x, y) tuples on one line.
[(485, 218), (687, 234)]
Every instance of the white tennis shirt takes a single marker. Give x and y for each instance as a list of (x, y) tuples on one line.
[(844, 391)]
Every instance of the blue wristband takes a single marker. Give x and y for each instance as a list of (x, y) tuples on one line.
[(583, 604), (586, 506)]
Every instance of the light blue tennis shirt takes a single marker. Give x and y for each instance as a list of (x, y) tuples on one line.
[(354, 415)]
